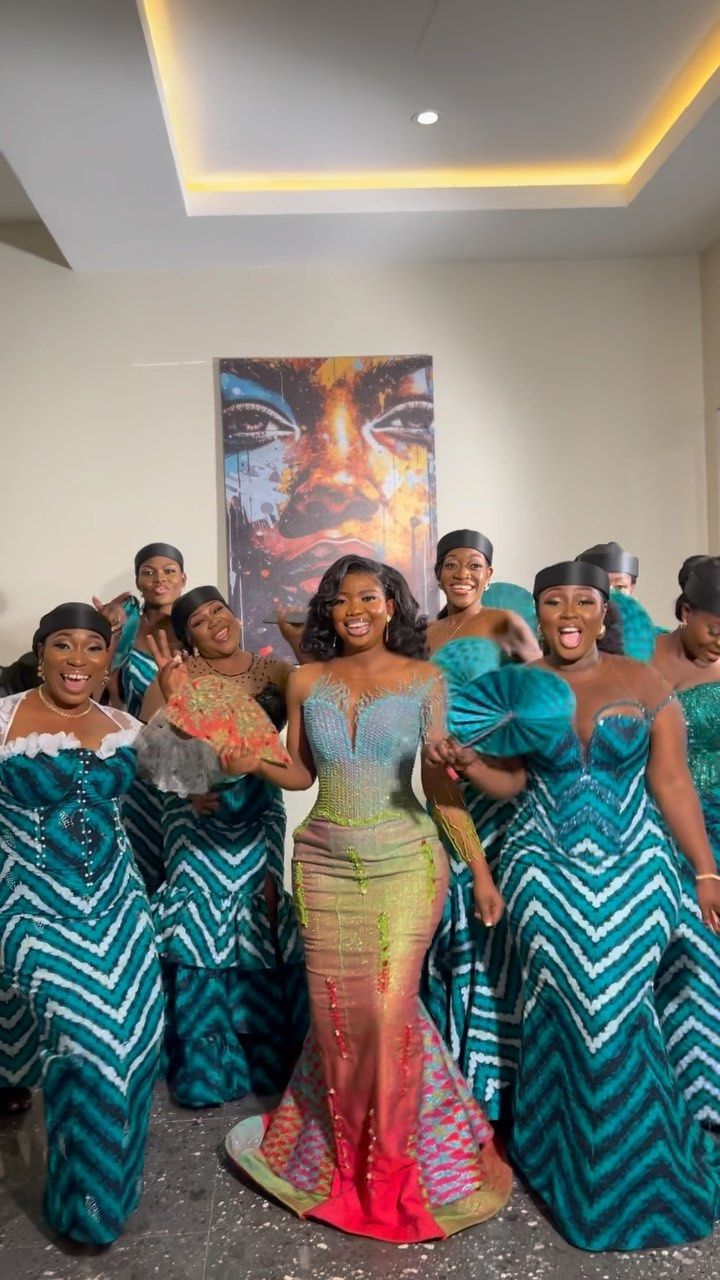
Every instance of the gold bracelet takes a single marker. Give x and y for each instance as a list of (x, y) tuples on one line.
[(708, 875)]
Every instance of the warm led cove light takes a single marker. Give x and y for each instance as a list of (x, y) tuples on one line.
[(426, 117)]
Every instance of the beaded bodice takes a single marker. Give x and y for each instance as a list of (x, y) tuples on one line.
[(63, 850), (365, 771), (701, 705)]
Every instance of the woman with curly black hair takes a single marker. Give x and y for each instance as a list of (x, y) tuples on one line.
[(377, 1132)]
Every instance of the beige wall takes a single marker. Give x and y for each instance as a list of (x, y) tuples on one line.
[(569, 408), (710, 293)]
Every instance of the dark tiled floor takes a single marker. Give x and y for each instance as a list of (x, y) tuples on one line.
[(197, 1222)]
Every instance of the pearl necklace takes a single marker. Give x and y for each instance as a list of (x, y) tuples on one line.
[(67, 715)]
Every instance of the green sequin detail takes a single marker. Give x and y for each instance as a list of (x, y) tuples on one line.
[(299, 899), (430, 877), (383, 979), (359, 868)]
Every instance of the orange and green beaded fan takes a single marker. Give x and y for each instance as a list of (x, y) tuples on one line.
[(228, 718)]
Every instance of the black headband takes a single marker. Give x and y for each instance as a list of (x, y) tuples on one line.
[(72, 617), (687, 568), (158, 549), (702, 588), (611, 557), (184, 608), (572, 573), (463, 538)]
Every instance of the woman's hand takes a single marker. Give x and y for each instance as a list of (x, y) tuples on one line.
[(447, 753), (489, 905), (292, 632), (708, 896), (236, 763), (172, 672), (113, 611)]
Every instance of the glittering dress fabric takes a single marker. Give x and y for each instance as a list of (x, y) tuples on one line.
[(377, 1133), (80, 991), (688, 982), (601, 1129), (143, 806)]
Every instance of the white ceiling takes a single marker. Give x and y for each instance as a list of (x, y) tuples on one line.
[(329, 85)]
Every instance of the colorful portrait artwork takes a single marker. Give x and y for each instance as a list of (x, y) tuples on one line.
[(323, 458)]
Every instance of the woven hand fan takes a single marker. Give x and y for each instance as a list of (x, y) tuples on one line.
[(506, 595), (638, 629), (466, 659), (513, 712), (217, 711)]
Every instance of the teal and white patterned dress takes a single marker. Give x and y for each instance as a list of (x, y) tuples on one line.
[(229, 940), (602, 1130), (142, 807), (472, 983), (688, 984), (80, 990)]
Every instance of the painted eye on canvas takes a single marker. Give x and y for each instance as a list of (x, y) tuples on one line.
[(251, 424), (410, 422)]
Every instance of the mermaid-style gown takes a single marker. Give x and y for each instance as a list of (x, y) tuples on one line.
[(80, 991), (688, 984), (601, 1130), (377, 1132)]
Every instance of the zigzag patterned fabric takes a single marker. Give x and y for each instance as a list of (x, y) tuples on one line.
[(80, 991), (688, 983), (472, 983), (232, 954), (142, 807), (602, 1130)]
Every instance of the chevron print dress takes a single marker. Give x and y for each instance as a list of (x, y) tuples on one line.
[(80, 990), (602, 1130), (688, 983), (230, 943), (472, 984), (142, 807)]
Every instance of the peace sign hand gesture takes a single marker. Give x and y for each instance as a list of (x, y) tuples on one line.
[(172, 672)]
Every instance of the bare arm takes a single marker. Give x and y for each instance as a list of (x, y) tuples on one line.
[(153, 701), (669, 781), (450, 813), (520, 641)]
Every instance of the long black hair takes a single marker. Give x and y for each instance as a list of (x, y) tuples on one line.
[(407, 633)]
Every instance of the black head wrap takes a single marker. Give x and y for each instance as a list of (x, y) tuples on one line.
[(702, 588), (158, 549), (71, 617), (572, 573), (687, 567), (184, 608), (611, 557), (463, 538)]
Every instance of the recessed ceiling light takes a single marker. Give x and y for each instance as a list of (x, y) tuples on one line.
[(426, 117)]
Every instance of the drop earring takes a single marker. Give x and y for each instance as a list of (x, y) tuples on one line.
[(387, 630), (602, 632)]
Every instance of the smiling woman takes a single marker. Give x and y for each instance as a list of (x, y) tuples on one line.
[(80, 990), (377, 1133), (229, 942)]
